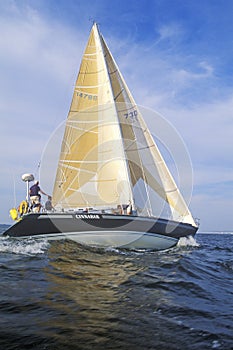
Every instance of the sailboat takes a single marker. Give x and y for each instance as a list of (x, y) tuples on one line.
[(108, 159)]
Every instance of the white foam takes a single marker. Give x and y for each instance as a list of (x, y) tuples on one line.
[(188, 242), (24, 246), (216, 344)]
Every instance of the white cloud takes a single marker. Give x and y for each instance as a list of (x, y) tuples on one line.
[(168, 34), (38, 61), (38, 67), (184, 77), (33, 43), (172, 31)]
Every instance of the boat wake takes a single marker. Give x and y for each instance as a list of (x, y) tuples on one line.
[(31, 246), (28, 246)]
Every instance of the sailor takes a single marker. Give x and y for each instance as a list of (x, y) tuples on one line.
[(119, 210), (48, 204), (35, 197)]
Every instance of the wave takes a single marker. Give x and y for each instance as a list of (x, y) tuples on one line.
[(27, 246)]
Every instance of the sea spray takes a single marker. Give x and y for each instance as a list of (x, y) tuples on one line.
[(24, 246), (188, 242)]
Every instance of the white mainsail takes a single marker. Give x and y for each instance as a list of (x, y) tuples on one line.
[(92, 170), (107, 148)]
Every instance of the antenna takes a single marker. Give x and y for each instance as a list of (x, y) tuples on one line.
[(27, 178)]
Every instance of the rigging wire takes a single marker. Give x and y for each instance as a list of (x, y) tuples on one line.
[(37, 169), (14, 190)]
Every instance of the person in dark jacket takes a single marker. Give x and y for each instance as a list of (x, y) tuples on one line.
[(35, 196)]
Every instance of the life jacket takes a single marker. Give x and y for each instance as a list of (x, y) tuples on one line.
[(14, 214)]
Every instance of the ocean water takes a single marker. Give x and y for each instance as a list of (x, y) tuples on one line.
[(65, 296)]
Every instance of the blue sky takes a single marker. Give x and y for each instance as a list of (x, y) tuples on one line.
[(176, 57)]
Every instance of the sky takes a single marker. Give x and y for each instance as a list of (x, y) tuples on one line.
[(176, 57)]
